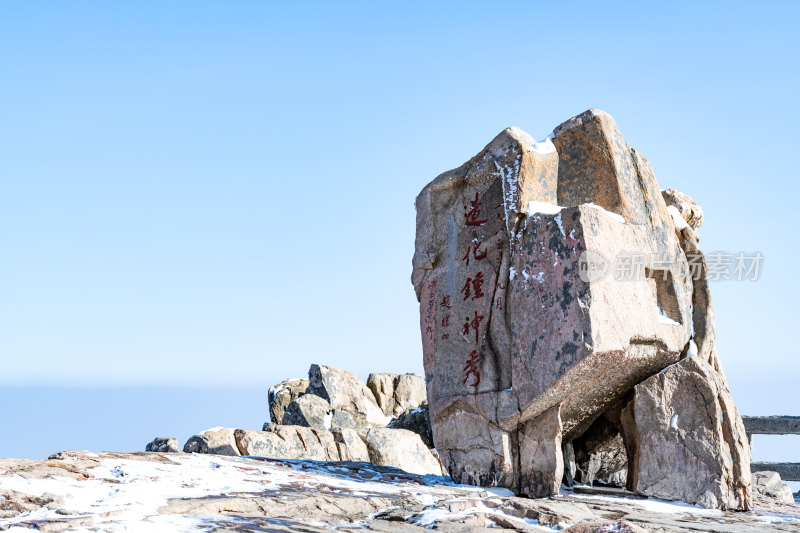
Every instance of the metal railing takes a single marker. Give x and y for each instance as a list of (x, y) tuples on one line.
[(774, 425)]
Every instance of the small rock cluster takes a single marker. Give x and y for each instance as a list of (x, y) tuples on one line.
[(333, 398), (334, 416)]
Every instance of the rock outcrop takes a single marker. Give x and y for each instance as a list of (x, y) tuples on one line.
[(768, 485), (335, 398), (163, 445), (402, 449), (687, 208), (308, 410), (281, 395), (397, 393), (417, 420), (345, 392), (553, 278), (686, 439), (397, 448), (218, 441)]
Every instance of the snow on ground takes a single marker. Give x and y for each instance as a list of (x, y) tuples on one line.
[(126, 494), (655, 505), (130, 492)]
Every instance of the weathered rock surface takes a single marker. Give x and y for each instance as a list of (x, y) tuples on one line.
[(348, 419), (688, 209), (600, 456), (528, 333), (418, 421), (162, 444), (687, 440), (217, 441), (288, 442), (769, 485), (308, 410), (400, 448), (397, 448), (382, 386), (397, 393), (351, 445), (345, 391), (282, 394), (86, 491)]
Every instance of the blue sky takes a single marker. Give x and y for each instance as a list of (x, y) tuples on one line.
[(218, 194)]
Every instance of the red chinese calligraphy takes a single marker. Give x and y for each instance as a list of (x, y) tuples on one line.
[(446, 321), (474, 287), (430, 311), (472, 217), (445, 303), (474, 323), (500, 243), (445, 336), (473, 250), (471, 368), (499, 303)]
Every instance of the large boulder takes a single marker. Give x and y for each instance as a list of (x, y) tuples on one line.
[(400, 448), (218, 441), (513, 322), (308, 410), (552, 279), (345, 391), (382, 387), (163, 445), (351, 445), (288, 442), (397, 393), (381, 446), (417, 420), (348, 419), (686, 439), (768, 485), (281, 395)]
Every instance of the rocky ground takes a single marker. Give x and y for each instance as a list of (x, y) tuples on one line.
[(84, 491)]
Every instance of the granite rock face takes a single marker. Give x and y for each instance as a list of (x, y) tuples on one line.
[(163, 445), (417, 420), (345, 391), (688, 209), (335, 399), (768, 484), (552, 279), (309, 411), (282, 394), (398, 448), (687, 440), (397, 393), (381, 446), (218, 441)]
